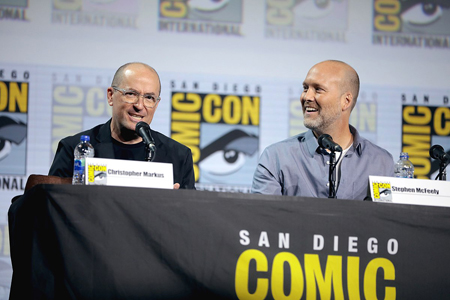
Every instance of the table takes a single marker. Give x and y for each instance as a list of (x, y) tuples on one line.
[(105, 242)]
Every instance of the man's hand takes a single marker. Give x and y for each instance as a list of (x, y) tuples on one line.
[(176, 186)]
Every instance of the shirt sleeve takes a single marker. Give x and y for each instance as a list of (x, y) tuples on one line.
[(62, 165), (188, 173), (265, 179)]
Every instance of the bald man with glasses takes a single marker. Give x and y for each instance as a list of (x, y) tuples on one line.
[(134, 96)]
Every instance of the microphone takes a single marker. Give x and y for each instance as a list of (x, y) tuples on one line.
[(326, 142), (143, 130), (437, 152)]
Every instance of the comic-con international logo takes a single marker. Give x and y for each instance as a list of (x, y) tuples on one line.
[(382, 191), (97, 174), (219, 17), (423, 127), (78, 103), (13, 10), (222, 131), (98, 13), (13, 126), (321, 20), (411, 23)]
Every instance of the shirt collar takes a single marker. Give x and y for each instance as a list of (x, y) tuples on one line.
[(357, 145), (104, 134), (312, 144)]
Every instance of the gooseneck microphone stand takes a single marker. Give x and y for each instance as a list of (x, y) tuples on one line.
[(442, 172), (326, 142), (332, 175), (151, 151)]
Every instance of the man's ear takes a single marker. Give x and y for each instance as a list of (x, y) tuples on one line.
[(347, 101), (109, 93)]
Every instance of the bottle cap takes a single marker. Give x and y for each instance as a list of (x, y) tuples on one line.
[(85, 138), (404, 154)]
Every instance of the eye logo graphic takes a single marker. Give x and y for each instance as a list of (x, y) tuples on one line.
[(314, 9), (422, 14), (431, 17), (228, 153), (219, 17), (11, 132), (206, 10), (207, 5), (412, 23), (325, 14), (324, 20)]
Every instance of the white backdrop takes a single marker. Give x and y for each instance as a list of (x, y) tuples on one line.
[(243, 59)]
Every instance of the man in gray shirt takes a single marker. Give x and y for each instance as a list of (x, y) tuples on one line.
[(297, 166)]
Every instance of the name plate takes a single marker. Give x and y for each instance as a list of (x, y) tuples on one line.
[(119, 172), (410, 191)]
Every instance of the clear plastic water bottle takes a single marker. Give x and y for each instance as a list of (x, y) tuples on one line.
[(82, 150), (404, 167)]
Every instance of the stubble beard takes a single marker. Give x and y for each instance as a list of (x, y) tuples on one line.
[(312, 124), (320, 124)]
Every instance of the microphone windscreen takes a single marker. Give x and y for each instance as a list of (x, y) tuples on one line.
[(140, 125), (143, 130), (437, 152), (434, 151), (322, 140)]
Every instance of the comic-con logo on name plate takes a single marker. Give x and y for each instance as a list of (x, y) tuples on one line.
[(382, 191), (219, 17), (411, 23), (97, 174), (323, 20)]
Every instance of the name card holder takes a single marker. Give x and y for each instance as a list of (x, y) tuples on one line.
[(409, 191), (119, 172)]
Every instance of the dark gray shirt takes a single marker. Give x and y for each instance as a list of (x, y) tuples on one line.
[(297, 167)]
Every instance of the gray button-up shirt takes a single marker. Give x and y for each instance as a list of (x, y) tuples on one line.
[(296, 167)]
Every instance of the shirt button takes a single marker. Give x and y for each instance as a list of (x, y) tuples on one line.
[(328, 184), (328, 162)]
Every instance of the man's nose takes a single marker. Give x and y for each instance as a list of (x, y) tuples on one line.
[(140, 103), (309, 94)]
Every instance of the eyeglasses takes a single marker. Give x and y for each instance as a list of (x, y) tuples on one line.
[(132, 97)]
